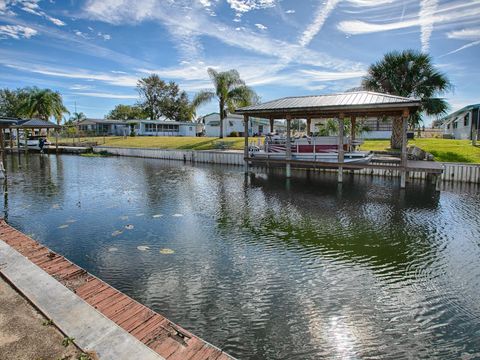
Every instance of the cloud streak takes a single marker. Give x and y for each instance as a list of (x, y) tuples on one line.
[(321, 16), (427, 10), (16, 32)]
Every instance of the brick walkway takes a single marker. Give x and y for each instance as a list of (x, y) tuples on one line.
[(154, 330)]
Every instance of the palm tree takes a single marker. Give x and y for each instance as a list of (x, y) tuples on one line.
[(43, 103), (410, 74), (230, 91), (77, 116)]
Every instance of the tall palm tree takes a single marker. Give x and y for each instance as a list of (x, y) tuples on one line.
[(230, 91), (410, 74), (44, 103)]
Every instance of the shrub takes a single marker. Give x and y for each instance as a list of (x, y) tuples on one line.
[(233, 134)]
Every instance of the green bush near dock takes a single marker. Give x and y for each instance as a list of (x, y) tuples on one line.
[(445, 150)]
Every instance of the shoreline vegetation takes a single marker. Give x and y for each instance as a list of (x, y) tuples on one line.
[(444, 150)]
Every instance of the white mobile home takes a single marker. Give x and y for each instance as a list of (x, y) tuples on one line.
[(101, 127), (462, 124), (165, 128), (233, 124)]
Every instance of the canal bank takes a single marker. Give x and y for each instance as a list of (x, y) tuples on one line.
[(100, 319), (456, 172)]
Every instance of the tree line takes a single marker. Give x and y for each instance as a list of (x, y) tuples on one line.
[(32, 102), (408, 73), (158, 98)]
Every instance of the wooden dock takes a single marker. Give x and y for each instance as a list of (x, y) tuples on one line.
[(157, 332)]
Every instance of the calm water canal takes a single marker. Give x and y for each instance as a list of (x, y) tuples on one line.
[(263, 268)]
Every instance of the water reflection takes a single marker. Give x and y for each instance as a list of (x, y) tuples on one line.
[(266, 268)]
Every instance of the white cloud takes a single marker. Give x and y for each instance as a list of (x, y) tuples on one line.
[(321, 16), (366, 3), (187, 25), (427, 10), (69, 73), (261, 26), (16, 32), (107, 95), (243, 6), (449, 14), (331, 76), (465, 34), (29, 6)]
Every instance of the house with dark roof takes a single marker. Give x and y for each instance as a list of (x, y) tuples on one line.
[(462, 124)]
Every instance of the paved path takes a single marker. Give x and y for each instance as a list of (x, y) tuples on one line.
[(25, 333)]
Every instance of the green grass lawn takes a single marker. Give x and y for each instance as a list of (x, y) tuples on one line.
[(163, 142), (445, 150)]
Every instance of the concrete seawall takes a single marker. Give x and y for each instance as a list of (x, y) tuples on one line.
[(461, 172)]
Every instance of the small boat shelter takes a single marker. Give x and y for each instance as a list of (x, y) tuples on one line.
[(15, 127), (348, 105)]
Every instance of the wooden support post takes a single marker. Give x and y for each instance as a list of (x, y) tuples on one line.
[(17, 133), (340, 147), (272, 123), (288, 146), (25, 140), (2, 140), (10, 132), (353, 125), (245, 150), (404, 155), (309, 126)]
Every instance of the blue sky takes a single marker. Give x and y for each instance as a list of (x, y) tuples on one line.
[(94, 51)]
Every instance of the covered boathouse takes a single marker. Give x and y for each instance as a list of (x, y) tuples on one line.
[(348, 105)]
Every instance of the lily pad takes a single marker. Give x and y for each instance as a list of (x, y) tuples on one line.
[(143, 248), (63, 226), (166, 251), (129, 227), (117, 232)]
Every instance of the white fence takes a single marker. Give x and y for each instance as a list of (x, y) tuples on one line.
[(201, 156), (469, 173)]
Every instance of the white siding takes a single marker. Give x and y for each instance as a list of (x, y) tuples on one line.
[(457, 127)]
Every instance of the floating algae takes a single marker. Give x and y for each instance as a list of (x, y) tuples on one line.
[(143, 248), (177, 215), (117, 232), (112, 249), (166, 251), (129, 227), (63, 226), (157, 215)]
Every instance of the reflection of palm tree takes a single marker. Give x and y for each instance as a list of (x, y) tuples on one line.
[(230, 91)]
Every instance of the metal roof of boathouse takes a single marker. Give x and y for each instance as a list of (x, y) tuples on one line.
[(354, 100)]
